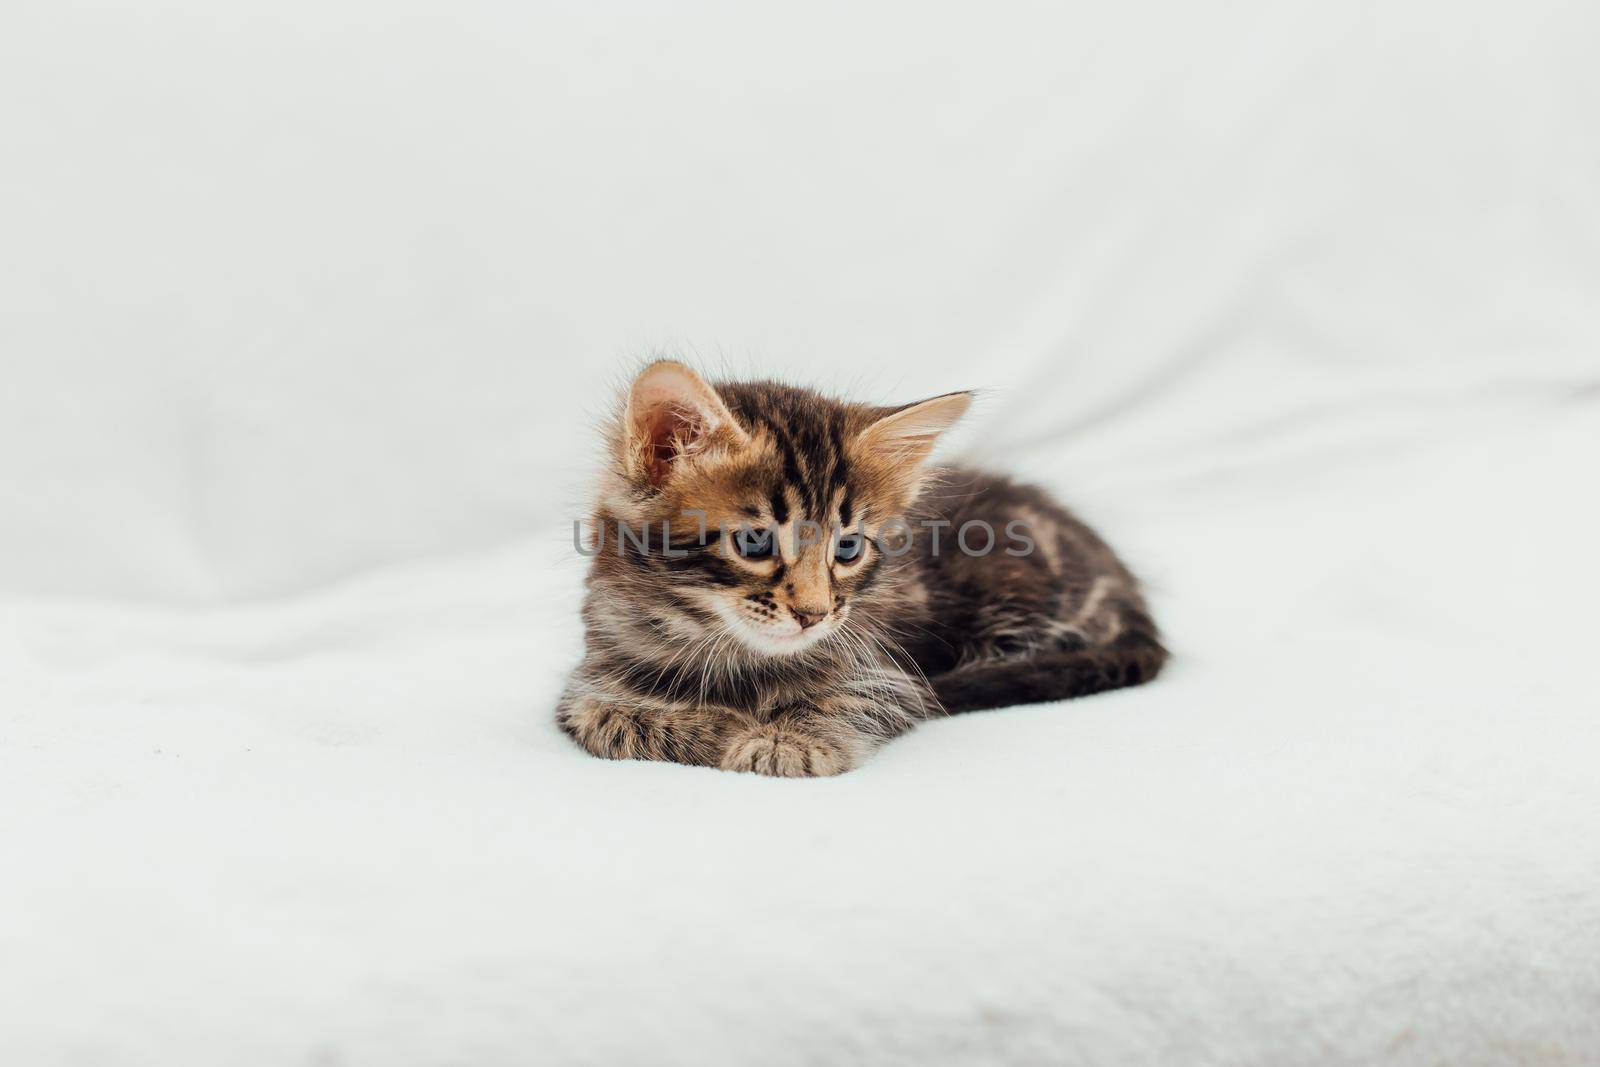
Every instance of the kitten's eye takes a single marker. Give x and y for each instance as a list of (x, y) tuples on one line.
[(849, 548), (754, 544)]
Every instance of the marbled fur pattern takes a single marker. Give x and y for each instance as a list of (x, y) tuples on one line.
[(803, 664)]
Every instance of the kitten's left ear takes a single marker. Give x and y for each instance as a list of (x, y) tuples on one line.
[(672, 413), (909, 433)]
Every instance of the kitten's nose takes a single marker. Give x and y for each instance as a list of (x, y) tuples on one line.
[(807, 619)]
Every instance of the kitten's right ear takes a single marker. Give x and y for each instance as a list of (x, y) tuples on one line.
[(672, 413)]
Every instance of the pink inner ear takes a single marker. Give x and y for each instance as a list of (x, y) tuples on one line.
[(666, 432)]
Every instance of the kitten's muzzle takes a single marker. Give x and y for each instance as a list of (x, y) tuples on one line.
[(807, 619)]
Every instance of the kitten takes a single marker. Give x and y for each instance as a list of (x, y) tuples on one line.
[(724, 629)]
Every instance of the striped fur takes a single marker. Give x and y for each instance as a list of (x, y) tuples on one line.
[(803, 663)]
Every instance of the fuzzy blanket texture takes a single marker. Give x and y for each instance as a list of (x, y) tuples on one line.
[(307, 312)]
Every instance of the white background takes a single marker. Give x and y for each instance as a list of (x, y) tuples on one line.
[(307, 311)]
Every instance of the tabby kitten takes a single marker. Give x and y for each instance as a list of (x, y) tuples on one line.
[(779, 583)]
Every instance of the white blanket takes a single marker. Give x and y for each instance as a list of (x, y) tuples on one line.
[(306, 311)]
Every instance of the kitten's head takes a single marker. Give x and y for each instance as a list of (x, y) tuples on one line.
[(773, 501)]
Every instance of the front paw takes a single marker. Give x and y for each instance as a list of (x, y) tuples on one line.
[(608, 731), (785, 753)]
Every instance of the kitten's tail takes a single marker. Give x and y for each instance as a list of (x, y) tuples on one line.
[(1134, 657)]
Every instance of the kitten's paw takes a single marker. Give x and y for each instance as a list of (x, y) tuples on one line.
[(784, 753), (609, 732)]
